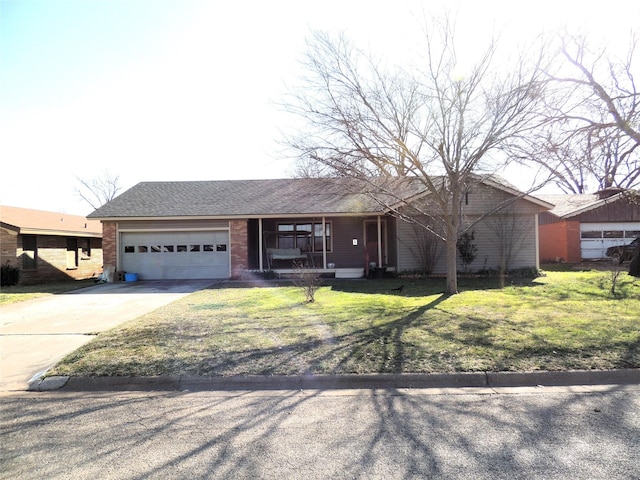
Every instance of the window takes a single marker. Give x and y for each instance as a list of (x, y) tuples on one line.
[(305, 236), (168, 249), (181, 248), (591, 234), (613, 234), (194, 248), (86, 248), (129, 249), (221, 247), (317, 236), (207, 248), (143, 249), (632, 234), (286, 236), (156, 249), (29, 252)]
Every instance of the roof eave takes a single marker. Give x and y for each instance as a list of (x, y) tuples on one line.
[(59, 233), (593, 206), (241, 216)]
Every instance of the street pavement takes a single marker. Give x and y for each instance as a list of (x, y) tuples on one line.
[(37, 333), (522, 433)]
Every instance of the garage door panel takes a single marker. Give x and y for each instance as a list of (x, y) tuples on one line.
[(176, 255), (596, 237)]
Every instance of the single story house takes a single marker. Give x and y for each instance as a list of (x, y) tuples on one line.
[(226, 229), (582, 226), (49, 246)]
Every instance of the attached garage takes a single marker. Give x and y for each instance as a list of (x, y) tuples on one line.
[(596, 237), (583, 226), (175, 254)]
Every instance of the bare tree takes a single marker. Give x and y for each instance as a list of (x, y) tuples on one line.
[(99, 190), (594, 130), (369, 121), (509, 235), (424, 246)]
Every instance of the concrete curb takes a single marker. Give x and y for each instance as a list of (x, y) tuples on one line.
[(336, 382)]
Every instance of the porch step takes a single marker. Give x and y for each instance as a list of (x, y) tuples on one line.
[(349, 272)]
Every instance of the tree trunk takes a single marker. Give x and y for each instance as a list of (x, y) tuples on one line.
[(453, 225), (634, 267), (452, 265)]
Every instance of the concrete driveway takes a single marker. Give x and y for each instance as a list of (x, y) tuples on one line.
[(35, 334)]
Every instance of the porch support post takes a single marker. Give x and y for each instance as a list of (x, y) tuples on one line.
[(380, 259), (537, 234), (260, 243), (324, 244)]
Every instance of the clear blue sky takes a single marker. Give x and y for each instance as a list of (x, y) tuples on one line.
[(186, 89)]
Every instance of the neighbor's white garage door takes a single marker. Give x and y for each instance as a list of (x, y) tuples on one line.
[(175, 255), (595, 238)]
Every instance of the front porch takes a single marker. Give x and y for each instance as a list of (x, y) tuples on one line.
[(344, 273), (341, 247)]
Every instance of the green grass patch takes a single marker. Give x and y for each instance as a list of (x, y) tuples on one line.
[(564, 320), (21, 293)]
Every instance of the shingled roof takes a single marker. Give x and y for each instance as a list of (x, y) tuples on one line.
[(571, 205), (242, 198), (279, 197)]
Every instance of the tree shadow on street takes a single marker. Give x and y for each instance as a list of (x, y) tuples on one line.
[(319, 434)]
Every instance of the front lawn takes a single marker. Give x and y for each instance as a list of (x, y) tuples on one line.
[(564, 320), (21, 293)]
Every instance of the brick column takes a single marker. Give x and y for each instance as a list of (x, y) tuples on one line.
[(238, 233), (109, 244)]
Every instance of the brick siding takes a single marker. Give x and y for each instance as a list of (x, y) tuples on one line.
[(52, 261), (8, 247), (109, 244), (560, 241), (238, 232)]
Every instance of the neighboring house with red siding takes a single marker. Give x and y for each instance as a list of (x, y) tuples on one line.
[(582, 227), (225, 229), (49, 246)]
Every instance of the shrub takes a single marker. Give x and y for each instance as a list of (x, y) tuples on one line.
[(525, 272), (308, 280), (10, 275), (467, 249)]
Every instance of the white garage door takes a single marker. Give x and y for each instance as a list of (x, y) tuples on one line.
[(595, 238), (175, 255)]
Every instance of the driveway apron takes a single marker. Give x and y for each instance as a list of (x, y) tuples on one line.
[(35, 334)]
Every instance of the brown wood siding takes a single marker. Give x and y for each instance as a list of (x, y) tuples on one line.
[(548, 218), (345, 254), (619, 211)]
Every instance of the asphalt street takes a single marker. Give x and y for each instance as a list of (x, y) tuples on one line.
[(532, 433)]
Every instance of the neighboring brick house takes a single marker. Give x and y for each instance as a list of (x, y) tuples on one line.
[(222, 229), (582, 227), (49, 246)]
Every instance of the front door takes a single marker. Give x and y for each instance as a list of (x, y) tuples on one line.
[(371, 242)]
